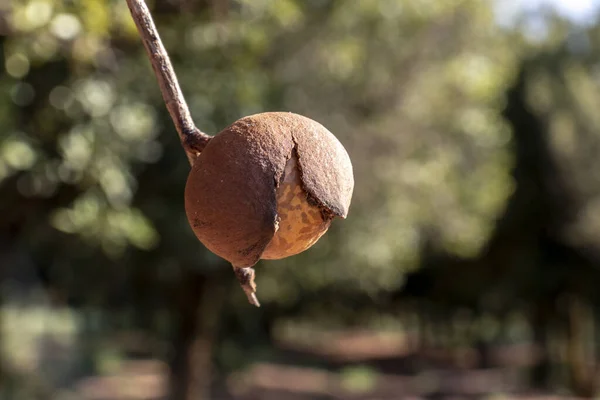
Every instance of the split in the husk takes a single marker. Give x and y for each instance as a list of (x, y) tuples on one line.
[(267, 187)]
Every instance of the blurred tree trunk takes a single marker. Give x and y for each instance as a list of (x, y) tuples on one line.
[(198, 305), (540, 374), (580, 347)]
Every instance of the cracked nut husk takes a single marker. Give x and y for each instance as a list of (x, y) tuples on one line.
[(267, 187)]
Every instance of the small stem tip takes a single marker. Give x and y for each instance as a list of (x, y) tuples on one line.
[(246, 278)]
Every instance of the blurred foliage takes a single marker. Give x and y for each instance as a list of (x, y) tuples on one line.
[(429, 148), (563, 91), (421, 122)]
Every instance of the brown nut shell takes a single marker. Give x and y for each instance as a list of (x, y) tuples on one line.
[(325, 165), (231, 192)]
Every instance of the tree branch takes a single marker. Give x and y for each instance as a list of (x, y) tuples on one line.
[(192, 139)]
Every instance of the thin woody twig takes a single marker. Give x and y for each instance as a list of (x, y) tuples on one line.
[(192, 139)]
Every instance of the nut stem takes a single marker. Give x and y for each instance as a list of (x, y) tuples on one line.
[(246, 278), (192, 139)]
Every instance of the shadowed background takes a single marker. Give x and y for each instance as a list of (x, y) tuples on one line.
[(466, 269)]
